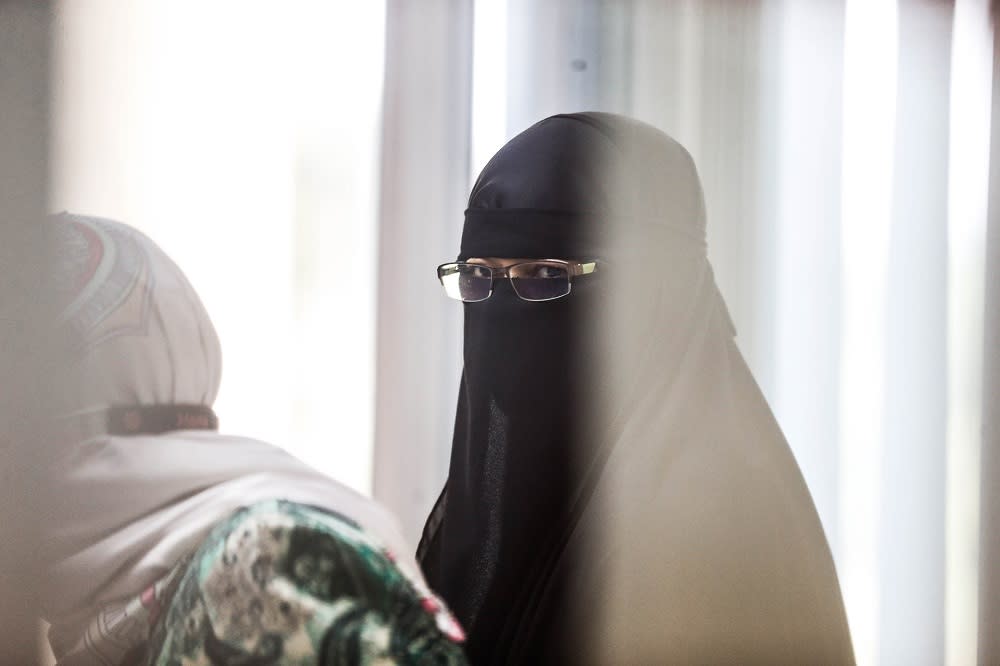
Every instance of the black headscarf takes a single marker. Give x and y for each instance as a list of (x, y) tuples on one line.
[(551, 390)]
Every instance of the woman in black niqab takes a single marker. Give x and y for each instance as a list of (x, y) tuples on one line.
[(611, 450)]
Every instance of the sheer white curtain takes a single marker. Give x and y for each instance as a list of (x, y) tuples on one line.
[(243, 137), (843, 149), (425, 153)]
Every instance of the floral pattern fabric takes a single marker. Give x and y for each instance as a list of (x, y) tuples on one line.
[(284, 583)]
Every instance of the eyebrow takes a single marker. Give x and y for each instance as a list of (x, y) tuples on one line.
[(585, 267), (497, 262)]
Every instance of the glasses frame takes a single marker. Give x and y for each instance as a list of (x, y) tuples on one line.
[(573, 269)]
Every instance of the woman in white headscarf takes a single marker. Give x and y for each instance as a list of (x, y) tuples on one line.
[(166, 541), (619, 491)]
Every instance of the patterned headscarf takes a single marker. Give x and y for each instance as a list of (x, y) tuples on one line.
[(134, 330)]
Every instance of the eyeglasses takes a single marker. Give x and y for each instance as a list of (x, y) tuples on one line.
[(541, 280)]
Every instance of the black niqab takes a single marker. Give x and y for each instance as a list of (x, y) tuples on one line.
[(520, 433), (526, 442)]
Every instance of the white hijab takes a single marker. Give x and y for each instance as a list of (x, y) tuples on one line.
[(119, 512)]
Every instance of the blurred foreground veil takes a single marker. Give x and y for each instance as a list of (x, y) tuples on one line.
[(24, 87), (663, 519)]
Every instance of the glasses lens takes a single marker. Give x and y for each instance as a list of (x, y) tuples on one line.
[(539, 281), (466, 282)]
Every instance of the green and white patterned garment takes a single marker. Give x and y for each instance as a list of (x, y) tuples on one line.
[(284, 583)]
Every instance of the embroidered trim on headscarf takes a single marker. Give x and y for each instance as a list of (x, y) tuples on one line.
[(131, 420), (156, 419)]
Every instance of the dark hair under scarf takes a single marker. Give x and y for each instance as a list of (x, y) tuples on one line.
[(548, 389)]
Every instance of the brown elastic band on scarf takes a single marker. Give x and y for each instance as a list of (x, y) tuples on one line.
[(157, 419)]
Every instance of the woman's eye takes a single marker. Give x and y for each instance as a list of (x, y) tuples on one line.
[(547, 272)]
